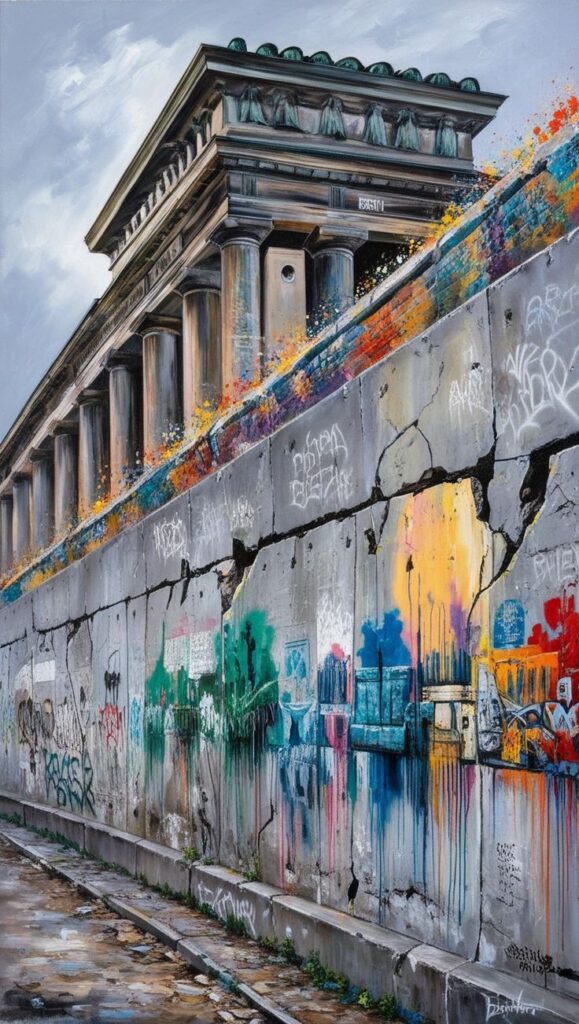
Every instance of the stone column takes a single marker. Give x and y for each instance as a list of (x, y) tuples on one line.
[(161, 391), (42, 499), (65, 478), (333, 256), (93, 482), (6, 558), (21, 517), (201, 340), (241, 336), (124, 431)]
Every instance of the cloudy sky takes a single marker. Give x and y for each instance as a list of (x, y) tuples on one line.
[(81, 81)]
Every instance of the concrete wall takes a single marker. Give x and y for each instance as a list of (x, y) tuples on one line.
[(348, 662)]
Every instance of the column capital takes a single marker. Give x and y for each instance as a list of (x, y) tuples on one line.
[(199, 278), (20, 478), (65, 427), (253, 230), (91, 396), (41, 455), (322, 239), (157, 323), (122, 361)]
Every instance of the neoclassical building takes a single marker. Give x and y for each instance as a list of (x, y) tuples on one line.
[(266, 190)]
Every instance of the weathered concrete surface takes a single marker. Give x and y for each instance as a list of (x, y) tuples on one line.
[(51, 604), (363, 952), (429, 406), (534, 314), (235, 504), (116, 571), (167, 541), (316, 464), (111, 845), (159, 866), (421, 979), (472, 995), (506, 499), (227, 894), (367, 700)]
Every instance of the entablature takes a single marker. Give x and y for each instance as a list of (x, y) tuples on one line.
[(279, 107)]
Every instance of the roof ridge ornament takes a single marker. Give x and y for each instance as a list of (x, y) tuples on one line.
[(292, 53), (410, 75), (352, 63), (469, 85), (381, 68), (439, 78), (320, 57), (267, 50)]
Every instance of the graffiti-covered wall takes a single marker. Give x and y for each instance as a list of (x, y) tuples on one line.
[(348, 662)]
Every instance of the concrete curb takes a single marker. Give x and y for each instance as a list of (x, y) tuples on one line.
[(421, 976)]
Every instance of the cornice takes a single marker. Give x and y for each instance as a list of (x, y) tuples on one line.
[(212, 62)]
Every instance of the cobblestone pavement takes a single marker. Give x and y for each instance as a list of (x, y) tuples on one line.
[(63, 957), (67, 956)]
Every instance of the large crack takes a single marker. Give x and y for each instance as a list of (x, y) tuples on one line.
[(532, 496)]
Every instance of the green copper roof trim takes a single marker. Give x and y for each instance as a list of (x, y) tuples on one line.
[(379, 67), (267, 50), (411, 75), (439, 78), (292, 53), (350, 62), (320, 57)]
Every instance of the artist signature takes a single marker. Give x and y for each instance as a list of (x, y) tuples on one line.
[(503, 1006)]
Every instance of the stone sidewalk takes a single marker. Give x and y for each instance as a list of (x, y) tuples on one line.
[(67, 957), (417, 981), (267, 980)]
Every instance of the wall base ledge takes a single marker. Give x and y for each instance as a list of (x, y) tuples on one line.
[(443, 987)]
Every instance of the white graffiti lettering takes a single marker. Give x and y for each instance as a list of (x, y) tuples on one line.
[(225, 904), (241, 513), (170, 538), (321, 470), (554, 309), (502, 1007), (208, 527), (469, 393), (544, 367), (558, 566)]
